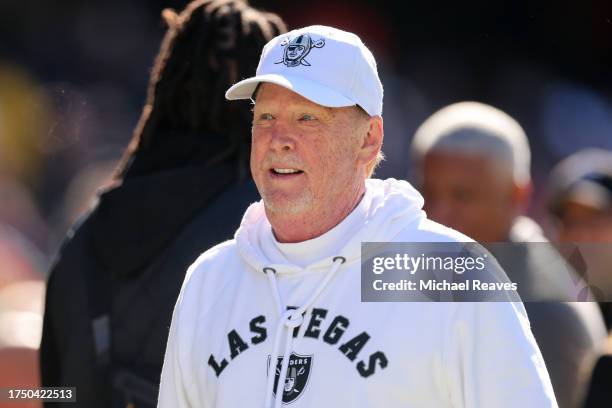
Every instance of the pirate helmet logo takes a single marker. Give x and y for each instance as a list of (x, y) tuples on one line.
[(298, 372), (297, 49)]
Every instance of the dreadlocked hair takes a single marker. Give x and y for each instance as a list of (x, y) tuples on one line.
[(208, 47)]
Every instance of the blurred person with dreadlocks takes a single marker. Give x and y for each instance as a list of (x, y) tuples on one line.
[(182, 186)]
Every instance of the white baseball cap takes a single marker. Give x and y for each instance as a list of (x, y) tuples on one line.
[(328, 66)]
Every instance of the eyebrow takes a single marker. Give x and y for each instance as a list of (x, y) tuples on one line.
[(328, 110)]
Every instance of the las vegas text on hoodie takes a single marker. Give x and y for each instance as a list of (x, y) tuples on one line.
[(233, 342)]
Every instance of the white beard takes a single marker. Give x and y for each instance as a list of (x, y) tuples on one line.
[(285, 206)]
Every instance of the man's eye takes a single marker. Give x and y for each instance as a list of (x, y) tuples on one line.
[(307, 118), (266, 116)]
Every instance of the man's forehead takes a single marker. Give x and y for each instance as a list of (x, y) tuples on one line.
[(266, 92), (477, 168)]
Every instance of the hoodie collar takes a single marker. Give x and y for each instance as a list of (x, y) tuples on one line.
[(324, 246), (387, 207)]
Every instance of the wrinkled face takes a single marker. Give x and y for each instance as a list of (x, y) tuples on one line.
[(304, 157), (469, 193)]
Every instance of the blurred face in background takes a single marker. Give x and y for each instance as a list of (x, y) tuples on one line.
[(589, 230), (473, 194), (583, 223)]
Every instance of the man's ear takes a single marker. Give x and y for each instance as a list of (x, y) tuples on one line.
[(521, 196), (372, 142)]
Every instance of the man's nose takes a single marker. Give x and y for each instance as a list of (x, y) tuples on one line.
[(282, 139)]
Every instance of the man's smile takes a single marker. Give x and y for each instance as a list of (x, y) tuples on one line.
[(285, 172)]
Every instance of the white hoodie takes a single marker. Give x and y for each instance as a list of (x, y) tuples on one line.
[(231, 321)]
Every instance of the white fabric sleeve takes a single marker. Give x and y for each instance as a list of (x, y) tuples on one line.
[(177, 387), (492, 359), (172, 389)]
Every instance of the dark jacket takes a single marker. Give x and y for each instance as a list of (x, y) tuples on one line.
[(600, 389), (566, 332), (113, 286)]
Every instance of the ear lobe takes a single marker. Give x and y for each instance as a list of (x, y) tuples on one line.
[(375, 132), (372, 142), (522, 195)]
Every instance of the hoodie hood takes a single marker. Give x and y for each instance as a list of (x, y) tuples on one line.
[(390, 206)]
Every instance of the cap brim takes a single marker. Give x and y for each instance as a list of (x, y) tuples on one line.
[(313, 91)]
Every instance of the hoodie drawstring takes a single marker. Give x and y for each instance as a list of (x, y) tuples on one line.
[(289, 320)]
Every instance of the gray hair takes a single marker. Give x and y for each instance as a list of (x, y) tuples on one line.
[(475, 128)]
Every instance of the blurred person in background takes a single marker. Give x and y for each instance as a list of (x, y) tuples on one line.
[(472, 163), (580, 200), (181, 188)]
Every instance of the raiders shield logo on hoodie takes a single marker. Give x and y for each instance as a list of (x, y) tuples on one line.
[(298, 372)]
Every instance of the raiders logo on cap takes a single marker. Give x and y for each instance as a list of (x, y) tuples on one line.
[(297, 49)]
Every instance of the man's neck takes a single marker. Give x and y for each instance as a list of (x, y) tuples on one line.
[(292, 228)]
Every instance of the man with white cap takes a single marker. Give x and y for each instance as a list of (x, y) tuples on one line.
[(274, 316)]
